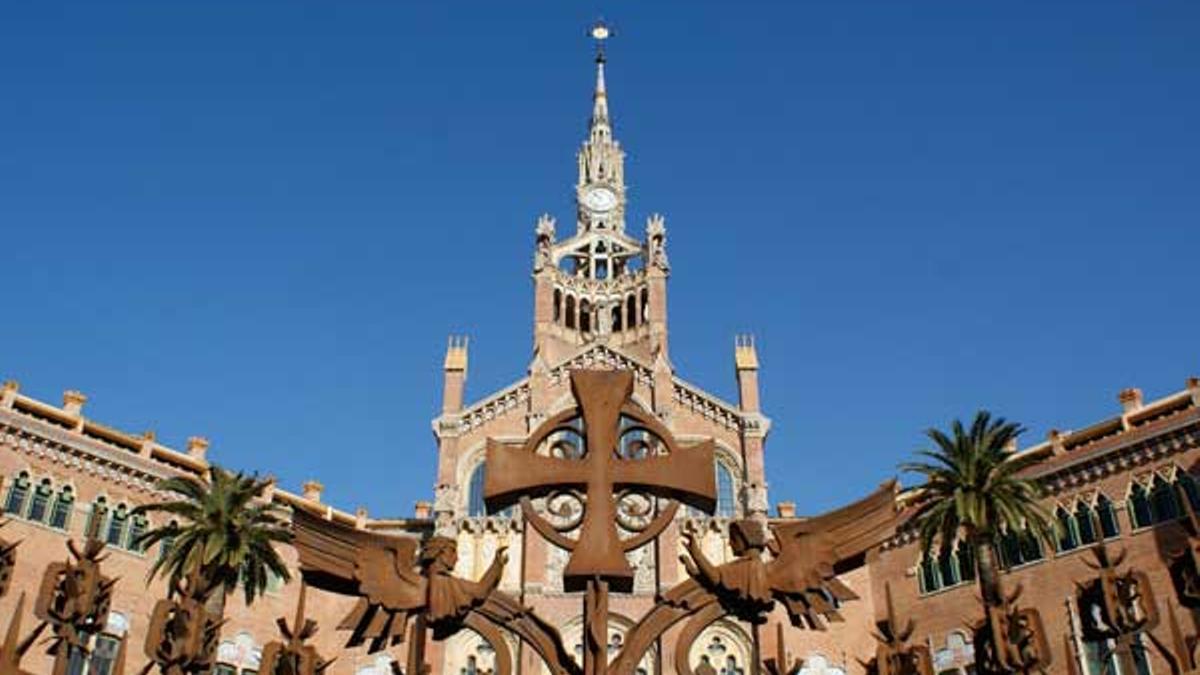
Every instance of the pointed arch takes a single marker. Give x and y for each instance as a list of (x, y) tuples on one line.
[(585, 316), (631, 317), (64, 505), (557, 310), (1106, 515), (570, 311), (18, 494)]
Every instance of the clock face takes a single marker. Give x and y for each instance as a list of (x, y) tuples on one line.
[(599, 199)]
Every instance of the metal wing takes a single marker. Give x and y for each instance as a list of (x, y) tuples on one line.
[(348, 561), (803, 574)]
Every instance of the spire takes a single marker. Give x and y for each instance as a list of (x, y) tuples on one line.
[(600, 33)]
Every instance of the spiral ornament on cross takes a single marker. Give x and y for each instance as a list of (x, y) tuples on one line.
[(612, 459)]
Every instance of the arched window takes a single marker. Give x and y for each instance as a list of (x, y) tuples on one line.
[(1164, 502), (930, 579), (585, 316), (64, 503), (557, 305), (616, 318), (1190, 490), (570, 322), (947, 568), (40, 504), (1139, 507), (1107, 515), (165, 544), (1068, 539), (475, 505), (117, 526), (966, 561), (18, 492), (1019, 547), (1085, 523), (645, 305), (631, 317), (138, 525), (97, 519), (726, 501)]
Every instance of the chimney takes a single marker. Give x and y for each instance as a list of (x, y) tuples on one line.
[(197, 447), (423, 510), (1056, 441), (360, 518), (312, 491), (148, 442), (786, 509), (1193, 385), (454, 374), (73, 402), (1131, 400), (9, 393), (745, 361)]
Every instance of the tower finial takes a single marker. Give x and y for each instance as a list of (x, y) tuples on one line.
[(600, 32)]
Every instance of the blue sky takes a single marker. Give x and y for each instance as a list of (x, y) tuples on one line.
[(258, 221)]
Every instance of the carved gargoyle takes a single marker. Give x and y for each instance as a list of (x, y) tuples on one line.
[(8, 562), (800, 574), (397, 587), (1011, 640), (74, 600), (14, 647), (292, 656), (894, 655), (778, 664), (183, 634)]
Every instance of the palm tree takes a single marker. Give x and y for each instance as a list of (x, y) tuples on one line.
[(222, 536), (974, 488)]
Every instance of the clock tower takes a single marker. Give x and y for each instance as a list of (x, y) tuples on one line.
[(601, 285)]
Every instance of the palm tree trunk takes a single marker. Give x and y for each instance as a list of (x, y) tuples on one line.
[(985, 564)]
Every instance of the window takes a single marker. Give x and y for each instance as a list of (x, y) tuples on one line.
[(17, 494), (1160, 504), (224, 669), (138, 525), (1190, 490), (40, 504), (1068, 538), (165, 544), (557, 305), (950, 568), (1085, 523), (116, 527), (726, 501), (570, 318), (1107, 515), (1019, 548), (104, 655), (1139, 507), (64, 503), (475, 505)]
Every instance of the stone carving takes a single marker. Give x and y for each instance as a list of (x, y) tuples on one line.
[(183, 635), (656, 242), (543, 256), (8, 562), (800, 575), (292, 656), (14, 648), (1122, 605), (402, 589), (894, 655), (74, 600), (1011, 640)]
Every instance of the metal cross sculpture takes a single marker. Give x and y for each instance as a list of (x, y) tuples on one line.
[(602, 464), (74, 600), (13, 647)]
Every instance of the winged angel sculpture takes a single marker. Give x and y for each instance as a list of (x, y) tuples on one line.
[(800, 574), (402, 586)]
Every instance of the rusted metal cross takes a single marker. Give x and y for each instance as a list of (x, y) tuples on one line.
[(685, 475)]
